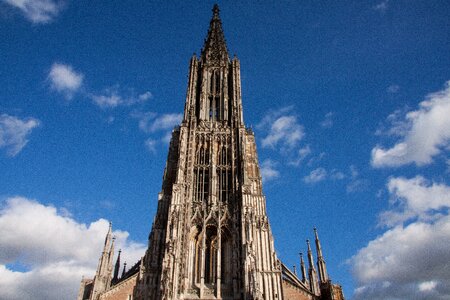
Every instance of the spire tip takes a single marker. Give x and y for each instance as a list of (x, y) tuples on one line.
[(216, 10)]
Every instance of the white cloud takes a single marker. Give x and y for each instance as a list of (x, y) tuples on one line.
[(302, 154), (411, 259), (151, 122), (425, 133), (55, 249), (414, 198), (316, 159), (64, 79), (356, 183), (336, 175), (328, 120), (150, 144), (14, 133), (427, 286), (382, 6), (111, 98), (393, 89), (268, 170), (159, 126), (282, 128), (38, 11), (164, 122), (316, 175), (145, 96)]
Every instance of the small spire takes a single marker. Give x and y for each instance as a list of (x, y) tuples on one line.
[(117, 267), (322, 268), (124, 270), (310, 256), (295, 269), (302, 267), (314, 285)]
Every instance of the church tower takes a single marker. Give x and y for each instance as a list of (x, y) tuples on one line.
[(211, 237)]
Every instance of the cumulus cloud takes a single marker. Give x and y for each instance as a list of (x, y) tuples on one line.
[(54, 249), (424, 132), (410, 260), (64, 79), (282, 129), (268, 170), (14, 133), (414, 198), (38, 11), (316, 175)]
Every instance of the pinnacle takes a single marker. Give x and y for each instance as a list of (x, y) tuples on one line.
[(215, 49)]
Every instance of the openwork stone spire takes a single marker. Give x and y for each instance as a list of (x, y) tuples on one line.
[(215, 49)]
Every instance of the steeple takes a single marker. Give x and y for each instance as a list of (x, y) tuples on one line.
[(303, 269), (108, 238), (102, 279), (212, 178), (124, 270), (116, 268), (214, 86), (314, 284), (323, 276), (215, 49)]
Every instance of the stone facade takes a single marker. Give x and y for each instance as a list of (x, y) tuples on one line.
[(211, 237)]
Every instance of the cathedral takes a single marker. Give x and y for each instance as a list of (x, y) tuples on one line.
[(211, 237)]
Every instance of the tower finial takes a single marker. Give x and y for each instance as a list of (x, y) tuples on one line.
[(216, 11)]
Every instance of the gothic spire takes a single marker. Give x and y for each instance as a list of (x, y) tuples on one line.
[(302, 267), (102, 279), (314, 285), (124, 270), (310, 257), (215, 49), (117, 267), (322, 268), (108, 239)]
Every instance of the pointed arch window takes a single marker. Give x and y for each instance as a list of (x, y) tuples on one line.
[(201, 171)]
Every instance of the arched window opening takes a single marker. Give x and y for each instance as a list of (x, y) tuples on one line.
[(215, 107), (211, 255), (226, 258), (194, 262)]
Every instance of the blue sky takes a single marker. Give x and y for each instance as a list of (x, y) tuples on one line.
[(349, 101)]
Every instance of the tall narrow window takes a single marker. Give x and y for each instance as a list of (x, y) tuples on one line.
[(201, 171), (215, 107)]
